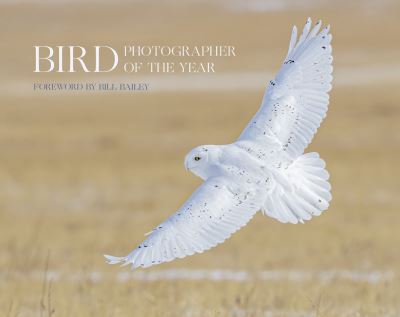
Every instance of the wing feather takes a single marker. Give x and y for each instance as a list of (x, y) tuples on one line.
[(293, 40), (296, 101), (211, 215)]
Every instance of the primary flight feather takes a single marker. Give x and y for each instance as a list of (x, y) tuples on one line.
[(264, 169)]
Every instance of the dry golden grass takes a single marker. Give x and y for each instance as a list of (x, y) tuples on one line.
[(83, 175)]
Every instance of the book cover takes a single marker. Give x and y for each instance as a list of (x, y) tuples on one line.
[(104, 110)]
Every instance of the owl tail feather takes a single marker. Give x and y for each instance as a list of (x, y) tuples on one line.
[(301, 191)]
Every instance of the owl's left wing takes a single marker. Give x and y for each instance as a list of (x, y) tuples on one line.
[(211, 215), (296, 101)]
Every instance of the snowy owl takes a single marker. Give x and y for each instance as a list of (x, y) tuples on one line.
[(265, 169)]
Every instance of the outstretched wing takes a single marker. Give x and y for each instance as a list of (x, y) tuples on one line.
[(296, 101), (211, 215)]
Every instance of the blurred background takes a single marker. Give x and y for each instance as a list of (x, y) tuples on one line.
[(83, 174)]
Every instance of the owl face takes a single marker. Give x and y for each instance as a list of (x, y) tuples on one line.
[(197, 158)]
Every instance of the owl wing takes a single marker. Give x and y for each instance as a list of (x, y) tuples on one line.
[(296, 101), (211, 215)]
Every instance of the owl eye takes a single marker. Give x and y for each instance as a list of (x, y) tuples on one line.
[(197, 158)]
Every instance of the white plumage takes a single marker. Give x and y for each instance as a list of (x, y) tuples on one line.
[(264, 169)]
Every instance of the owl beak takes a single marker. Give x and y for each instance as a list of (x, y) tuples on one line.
[(188, 165)]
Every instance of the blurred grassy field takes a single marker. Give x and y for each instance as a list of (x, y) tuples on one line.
[(87, 174)]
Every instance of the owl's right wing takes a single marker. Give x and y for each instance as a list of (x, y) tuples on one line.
[(211, 215)]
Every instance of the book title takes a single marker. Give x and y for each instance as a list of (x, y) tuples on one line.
[(130, 59)]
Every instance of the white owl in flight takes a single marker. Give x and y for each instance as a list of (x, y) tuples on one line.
[(264, 169)]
